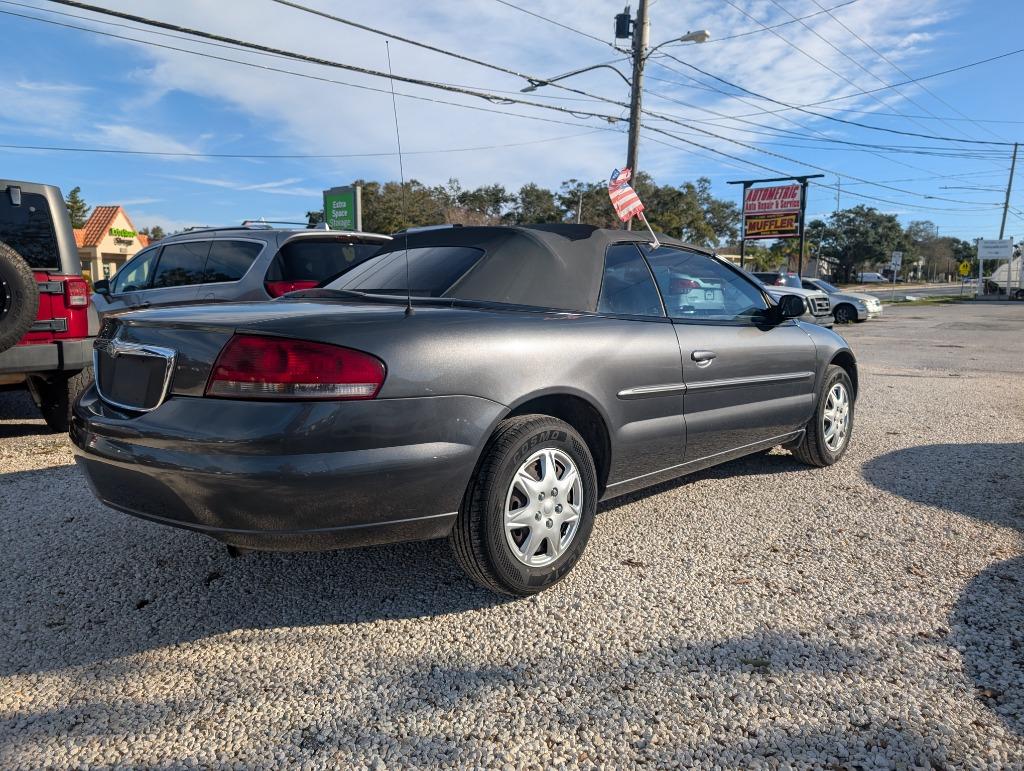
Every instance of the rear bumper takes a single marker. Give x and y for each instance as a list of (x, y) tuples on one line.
[(63, 355), (287, 476)]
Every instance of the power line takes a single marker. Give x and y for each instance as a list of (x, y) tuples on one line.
[(900, 70), (800, 108), (556, 23), (817, 61), (108, 23), (930, 76), (789, 120), (341, 65), (754, 164), (783, 24), (493, 98), (284, 156), (864, 69), (432, 84)]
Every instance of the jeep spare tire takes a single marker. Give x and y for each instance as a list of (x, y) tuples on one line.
[(19, 297)]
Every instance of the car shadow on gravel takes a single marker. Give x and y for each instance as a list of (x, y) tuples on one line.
[(757, 464), (19, 416), (983, 481), (83, 583)]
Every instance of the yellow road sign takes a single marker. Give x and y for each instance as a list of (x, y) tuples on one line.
[(965, 268)]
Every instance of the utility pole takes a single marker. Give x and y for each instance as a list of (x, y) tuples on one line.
[(1006, 205), (641, 38)]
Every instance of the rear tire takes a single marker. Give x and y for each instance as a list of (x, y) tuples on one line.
[(822, 444), (19, 297), (55, 395), (519, 534)]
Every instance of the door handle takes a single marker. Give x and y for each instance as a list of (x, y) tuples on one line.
[(703, 358)]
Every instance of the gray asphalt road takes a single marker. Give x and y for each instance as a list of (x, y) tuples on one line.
[(867, 615)]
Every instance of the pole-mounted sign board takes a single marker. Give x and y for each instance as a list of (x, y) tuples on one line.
[(995, 248), (771, 212), (343, 207)]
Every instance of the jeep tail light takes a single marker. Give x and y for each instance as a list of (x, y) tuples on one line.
[(76, 293), (278, 288), (259, 367)]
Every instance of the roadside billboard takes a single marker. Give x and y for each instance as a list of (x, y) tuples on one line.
[(343, 208), (771, 212)]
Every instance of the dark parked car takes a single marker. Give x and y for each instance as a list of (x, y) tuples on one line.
[(779, 278), (247, 262), (46, 322), (540, 370)]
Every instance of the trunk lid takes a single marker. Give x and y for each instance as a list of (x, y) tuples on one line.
[(197, 333)]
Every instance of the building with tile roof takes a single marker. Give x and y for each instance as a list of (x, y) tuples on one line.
[(108, 241)]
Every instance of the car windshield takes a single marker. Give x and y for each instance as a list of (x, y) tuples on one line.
[(826, 286), (790, 280), (431, 271)]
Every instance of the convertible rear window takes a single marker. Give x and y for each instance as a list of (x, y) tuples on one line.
[(432, 270)]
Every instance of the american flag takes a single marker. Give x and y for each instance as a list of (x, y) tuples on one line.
[(624, 198)]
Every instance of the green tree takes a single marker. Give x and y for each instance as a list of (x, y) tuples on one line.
[(77, 207), (390, 207), (861, 238), (314, 218), (589, 200), (487, 201), (534, 204), (154, 233)]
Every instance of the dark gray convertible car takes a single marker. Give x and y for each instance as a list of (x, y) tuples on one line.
[(541, 369)]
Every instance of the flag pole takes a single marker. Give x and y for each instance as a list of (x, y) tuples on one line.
[(655, 243)]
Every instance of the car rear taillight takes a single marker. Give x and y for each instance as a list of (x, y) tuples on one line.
[(76, 293), (680, 285), (258, 367), (780, 281), (278, 288)]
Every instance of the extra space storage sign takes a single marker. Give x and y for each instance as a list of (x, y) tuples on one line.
[(772, 212)]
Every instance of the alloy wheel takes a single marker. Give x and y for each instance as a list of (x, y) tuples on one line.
[(835, 418), (543, 507)]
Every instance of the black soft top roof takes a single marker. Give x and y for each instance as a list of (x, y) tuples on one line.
[(546, 266)]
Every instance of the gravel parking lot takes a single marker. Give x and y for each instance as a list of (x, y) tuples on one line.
[(758, 614)]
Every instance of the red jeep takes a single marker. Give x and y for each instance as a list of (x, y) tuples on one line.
[(46, 321)]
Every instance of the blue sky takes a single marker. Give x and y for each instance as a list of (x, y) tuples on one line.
[(72, 88)]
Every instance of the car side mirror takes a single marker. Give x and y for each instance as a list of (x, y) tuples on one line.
[(790, 306), (101, 287)]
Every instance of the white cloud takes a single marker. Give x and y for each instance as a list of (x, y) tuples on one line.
[(302, 116), (316, 117), (278, 187), (126, 137)]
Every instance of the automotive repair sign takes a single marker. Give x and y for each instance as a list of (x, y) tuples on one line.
[(771, 212)]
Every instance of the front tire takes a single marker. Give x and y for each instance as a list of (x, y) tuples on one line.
[(55, 395), (529, 510), (844, 314), (827, 434)]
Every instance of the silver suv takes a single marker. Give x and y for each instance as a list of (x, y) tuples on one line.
[(248, 262)]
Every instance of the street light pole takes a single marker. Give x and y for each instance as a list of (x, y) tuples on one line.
[(639, 30)]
